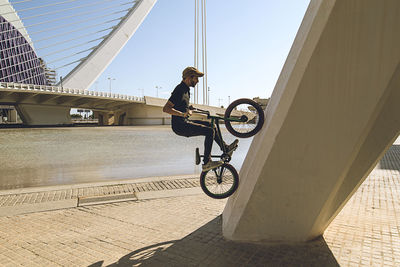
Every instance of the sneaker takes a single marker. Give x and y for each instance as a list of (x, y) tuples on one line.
[(212, 165), (232, 147)]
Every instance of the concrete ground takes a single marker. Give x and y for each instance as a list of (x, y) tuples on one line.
[(170, 222)]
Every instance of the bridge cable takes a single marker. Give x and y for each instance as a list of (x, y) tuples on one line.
[(29, 59), (14, 3)]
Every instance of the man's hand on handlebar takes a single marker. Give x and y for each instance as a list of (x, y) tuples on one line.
[(188, 113)]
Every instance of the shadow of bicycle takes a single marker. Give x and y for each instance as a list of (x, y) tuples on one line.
[(207, 247)]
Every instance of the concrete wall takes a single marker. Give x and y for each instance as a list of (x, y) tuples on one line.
[(150, 112), (142, 114), (44, 115), (333, 113)]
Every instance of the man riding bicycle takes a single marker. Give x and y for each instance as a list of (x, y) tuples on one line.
[(178, 106)]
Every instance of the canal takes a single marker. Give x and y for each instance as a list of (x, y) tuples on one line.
[(31, 157)]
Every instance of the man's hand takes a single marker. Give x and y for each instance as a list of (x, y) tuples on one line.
[(187, 113)]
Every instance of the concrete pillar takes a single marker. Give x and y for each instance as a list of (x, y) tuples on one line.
[(103, 117), (44, 115), (143, 114), (12, 115), (120, 118), (333, 114)]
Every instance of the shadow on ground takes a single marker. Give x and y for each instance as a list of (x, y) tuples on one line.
[(207, 247), (391, 159)]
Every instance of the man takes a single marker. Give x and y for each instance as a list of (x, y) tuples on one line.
[(178, 106)]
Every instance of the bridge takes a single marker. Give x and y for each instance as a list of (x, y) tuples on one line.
[(51, 105)]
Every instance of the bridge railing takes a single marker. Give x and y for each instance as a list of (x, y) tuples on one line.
[(59, 89)]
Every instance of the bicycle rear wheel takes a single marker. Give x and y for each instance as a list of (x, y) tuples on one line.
[(220, 182), (244, 118)]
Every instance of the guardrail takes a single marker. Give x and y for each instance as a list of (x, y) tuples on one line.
[(59, 89)]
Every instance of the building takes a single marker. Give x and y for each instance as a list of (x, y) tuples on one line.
[(50, 74), (18, 60)]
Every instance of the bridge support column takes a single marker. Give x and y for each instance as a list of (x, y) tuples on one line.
[(120, 118), (148, 114), (12, 115), (333, 114), (103, 117), (44, 115)]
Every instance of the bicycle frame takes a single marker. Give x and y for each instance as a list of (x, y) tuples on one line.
[(215, 125), (223, 180)]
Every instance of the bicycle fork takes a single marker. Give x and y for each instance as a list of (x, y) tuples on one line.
[(219, 172)]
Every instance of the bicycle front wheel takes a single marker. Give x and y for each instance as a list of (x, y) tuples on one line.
[(244, 118), (220, 182)]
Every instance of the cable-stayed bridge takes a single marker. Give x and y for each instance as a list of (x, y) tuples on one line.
[(48, 46), (72, 41), (68, 44)]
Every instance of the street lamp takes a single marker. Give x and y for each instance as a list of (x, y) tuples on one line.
[(110, 79), (208, 96), (219, 102), (158, 87)]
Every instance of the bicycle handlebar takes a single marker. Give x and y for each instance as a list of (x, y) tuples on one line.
[(200, 111)]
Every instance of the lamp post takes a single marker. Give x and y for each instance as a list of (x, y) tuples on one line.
[(110, 79), (208, 96), (219, 102), (157, 87)]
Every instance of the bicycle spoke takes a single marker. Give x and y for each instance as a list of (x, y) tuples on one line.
[(226, 181), (221, 182), (251, 123)]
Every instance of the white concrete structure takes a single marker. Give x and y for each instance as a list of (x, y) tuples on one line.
[(8, 12), (333, 113), (85, 74)]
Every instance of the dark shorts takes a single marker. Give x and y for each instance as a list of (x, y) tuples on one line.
[(192, 128)]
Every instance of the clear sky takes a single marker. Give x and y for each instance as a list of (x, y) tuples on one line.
[(247, 45)]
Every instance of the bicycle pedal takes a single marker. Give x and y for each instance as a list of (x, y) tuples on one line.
[(197, 156)]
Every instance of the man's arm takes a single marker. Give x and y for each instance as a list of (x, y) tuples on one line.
[(169, 108)]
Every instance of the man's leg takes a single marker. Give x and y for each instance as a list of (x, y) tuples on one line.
[(196, 129), (217, 138), (224, 147)]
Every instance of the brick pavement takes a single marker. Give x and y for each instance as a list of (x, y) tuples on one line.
[(186, 231), (12, 198)]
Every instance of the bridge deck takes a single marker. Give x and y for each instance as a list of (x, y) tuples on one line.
[(45, 89)]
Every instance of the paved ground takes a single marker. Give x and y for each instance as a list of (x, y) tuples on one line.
[(180, 226), (20, 201)]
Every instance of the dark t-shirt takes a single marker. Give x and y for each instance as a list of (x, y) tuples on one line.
[(180, 98)]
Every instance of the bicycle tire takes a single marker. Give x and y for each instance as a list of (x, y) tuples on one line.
[(210, 182), (259, 118)]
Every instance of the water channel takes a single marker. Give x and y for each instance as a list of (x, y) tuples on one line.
[(31, 157)]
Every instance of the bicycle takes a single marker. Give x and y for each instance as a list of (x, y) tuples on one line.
[(243, 118)]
